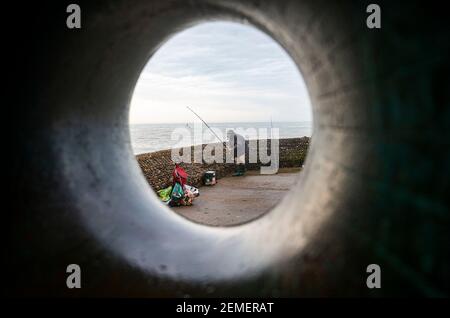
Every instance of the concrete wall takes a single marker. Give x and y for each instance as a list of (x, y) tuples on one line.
[(158, 166), (374, 189)]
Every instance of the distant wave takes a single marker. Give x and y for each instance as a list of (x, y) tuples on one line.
[(154, 137)]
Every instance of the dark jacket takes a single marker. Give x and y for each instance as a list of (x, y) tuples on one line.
[(239, 145)]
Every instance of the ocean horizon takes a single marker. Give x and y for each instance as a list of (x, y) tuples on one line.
[(161, 136)]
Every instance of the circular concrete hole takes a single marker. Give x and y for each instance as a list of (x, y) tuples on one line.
[(239, 79), (137, 229), (108, 205)]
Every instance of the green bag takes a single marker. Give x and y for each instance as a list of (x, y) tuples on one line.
[(177, 192), (164, 194)]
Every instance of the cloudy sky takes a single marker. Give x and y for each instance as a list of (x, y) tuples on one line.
[(227, 72)]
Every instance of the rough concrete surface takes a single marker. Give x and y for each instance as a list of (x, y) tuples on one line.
[(236, 200), (374, 188)]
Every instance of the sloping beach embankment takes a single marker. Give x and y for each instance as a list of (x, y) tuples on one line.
[(157, 166)]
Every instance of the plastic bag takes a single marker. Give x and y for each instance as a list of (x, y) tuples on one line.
[(177, 192), (193, 190), (179, 175), (164, 194)]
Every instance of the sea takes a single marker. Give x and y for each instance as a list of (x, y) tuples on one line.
[(153, 137)]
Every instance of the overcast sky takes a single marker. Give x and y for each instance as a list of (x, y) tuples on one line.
[(227, 72)]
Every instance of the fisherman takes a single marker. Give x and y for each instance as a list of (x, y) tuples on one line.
[(236, 144)]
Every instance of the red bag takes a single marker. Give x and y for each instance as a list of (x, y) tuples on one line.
[(179, 175)]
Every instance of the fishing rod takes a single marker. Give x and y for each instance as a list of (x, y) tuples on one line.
[(271, 128), (204, 123)]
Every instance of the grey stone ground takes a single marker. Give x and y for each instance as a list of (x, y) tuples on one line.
[(236, 200)]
